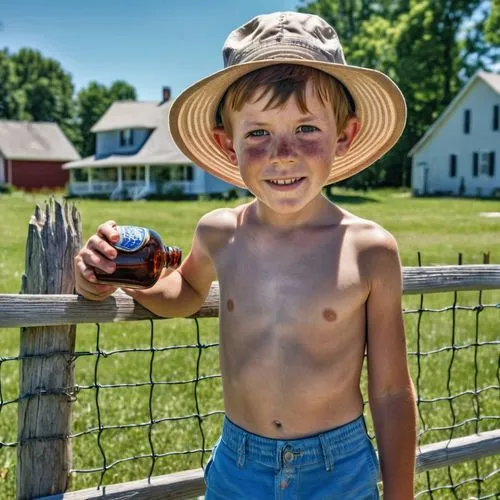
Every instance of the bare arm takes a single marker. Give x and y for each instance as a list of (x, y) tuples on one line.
[(391, 393), (177, 293)]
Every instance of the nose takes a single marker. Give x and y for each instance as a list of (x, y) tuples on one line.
[(283, 149)]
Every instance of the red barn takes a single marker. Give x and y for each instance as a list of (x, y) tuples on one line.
[(32, 154)]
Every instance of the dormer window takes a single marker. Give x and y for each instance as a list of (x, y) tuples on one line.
[(467, 121), (126, 137)]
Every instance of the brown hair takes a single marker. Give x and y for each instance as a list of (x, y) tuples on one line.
[(285, 80)]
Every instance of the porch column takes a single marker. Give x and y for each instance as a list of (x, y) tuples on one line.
[(120, 177), (147, 176), (137, 173), (89, 181)]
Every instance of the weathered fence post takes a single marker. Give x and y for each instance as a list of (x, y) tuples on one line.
[(46, 373)]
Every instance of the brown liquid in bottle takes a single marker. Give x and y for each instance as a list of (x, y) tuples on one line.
[(141, 258)]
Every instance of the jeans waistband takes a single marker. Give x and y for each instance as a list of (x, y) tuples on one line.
[(327, 446)]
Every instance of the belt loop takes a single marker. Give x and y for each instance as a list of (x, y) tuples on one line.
[(241, 451), (327, 452)]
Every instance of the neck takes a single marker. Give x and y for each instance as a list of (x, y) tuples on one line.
[(317, 212)]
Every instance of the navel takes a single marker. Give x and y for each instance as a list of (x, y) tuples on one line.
[(230, 305), (329, 315), (277, 424)]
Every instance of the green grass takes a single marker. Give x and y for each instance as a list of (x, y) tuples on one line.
[(438, 228)]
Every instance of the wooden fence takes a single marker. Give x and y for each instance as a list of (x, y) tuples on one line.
[(47, 312)]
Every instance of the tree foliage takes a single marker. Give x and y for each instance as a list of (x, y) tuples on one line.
[(492, 25), (92, 102), (429, 48), (37, 88)]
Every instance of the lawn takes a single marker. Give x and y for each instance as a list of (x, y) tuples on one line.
[(438, 228)]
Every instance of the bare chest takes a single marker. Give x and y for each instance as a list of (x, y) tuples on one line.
[(291, 285)]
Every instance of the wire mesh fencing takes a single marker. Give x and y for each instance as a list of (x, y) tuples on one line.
[(148, 398)]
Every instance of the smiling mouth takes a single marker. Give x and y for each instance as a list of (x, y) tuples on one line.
[(285, 182)]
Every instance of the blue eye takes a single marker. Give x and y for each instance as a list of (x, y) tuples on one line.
[(307, 128), (257, 133)]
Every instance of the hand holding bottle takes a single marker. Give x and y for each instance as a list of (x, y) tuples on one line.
[(141, 257), (118, 256), (98, 253)]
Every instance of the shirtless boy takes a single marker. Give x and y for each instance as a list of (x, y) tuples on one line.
[(305, 286)]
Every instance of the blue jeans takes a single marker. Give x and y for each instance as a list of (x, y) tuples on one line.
[(337, 464)]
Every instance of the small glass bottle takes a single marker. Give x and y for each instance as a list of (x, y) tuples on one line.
[(141, 258)]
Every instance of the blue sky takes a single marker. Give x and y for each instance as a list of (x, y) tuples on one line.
[(148, 43)]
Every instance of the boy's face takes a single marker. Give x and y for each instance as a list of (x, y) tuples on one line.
[(284, 155)]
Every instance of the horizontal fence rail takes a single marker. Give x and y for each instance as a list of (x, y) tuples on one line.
[(42, 310)]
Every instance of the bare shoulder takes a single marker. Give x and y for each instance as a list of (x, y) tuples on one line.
[(215, 228), (376, 247)]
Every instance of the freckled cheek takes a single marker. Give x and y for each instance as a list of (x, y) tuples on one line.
[(252, 154), (313, 149)]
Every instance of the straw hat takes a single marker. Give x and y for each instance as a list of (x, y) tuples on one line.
[(289, 38)]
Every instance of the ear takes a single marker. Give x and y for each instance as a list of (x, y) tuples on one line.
[(225, 143), (347, 136)]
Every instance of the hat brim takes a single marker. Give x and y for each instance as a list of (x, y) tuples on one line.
[(380, 106)]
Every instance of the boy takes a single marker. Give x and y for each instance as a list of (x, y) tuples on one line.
[(305, 286)]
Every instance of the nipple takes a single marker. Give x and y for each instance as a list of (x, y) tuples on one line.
[(329, 315)]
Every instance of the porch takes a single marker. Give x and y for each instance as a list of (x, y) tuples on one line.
[(132, 182)]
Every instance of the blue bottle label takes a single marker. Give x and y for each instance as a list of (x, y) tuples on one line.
[(132, 238)]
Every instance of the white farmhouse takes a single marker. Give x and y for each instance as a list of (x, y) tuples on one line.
[(136, 157), (459, 154)]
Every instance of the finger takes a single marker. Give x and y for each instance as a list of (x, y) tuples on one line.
[(109, 231), (94, 291), (98, 244), (95, 261), (83, 271)]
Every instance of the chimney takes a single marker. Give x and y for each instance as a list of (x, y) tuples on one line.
[(166, 94)]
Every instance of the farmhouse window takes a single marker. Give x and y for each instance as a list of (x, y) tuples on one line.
[(475, 164), (126, 137), (492, 164), (496, 111), (453, 165), (467, 121), (484, 162)]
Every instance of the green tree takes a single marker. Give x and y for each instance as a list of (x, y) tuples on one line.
[(36, 88), (92, 102), (11, 100), (122, 91), (47, 87), (492, 27)]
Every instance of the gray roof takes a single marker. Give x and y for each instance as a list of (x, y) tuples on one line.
[(159, 149), (491, 79), (128, 114), (35, 141)]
